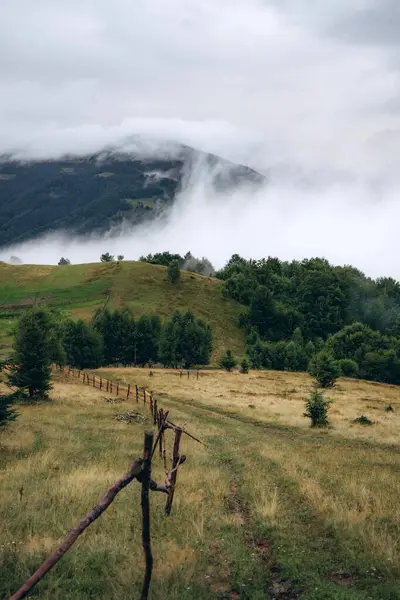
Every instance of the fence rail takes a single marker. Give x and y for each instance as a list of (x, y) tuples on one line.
[(140, 470)]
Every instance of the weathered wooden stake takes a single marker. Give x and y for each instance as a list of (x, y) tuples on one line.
[(101, 383), (188, 374), (155, 414), (146, 536), (129, 391), (108, 385), (137, 393), (180, 375), (79, 375), (174, 471), (197, 376), (94, 380), (117, 388), (144, 395)]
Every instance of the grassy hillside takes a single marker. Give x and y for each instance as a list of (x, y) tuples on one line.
[(270, 509), (80, 289)]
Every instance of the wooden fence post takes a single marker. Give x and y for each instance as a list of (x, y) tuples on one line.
[(79, 375), (174, 470), (94, 380), (144, 395), (145, 504), (69, 370), (108, 385), (117, 388), (129, 391), (188, 374), (197, 376), (101, 383), (180, 375), (155, 413), (137, 393)]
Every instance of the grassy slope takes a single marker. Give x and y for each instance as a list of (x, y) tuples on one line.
[(267, 510), (80, 289)]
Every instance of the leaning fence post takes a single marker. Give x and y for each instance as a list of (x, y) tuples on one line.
[(155, 414), (146, 538), (174, 471)]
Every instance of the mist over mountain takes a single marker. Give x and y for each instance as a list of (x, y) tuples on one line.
[(103, 192)]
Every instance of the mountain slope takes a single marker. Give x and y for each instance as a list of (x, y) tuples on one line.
[(99, 192), (80, 289)]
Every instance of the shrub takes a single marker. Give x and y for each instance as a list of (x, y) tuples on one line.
[(244, 366), (7, 413), (389, 408), (107, 257), (348, 367), (317, 409), (228, 361), (363, 420), (324, 368), (64, 261)]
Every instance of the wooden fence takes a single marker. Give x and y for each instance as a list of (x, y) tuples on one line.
[(140, 470)]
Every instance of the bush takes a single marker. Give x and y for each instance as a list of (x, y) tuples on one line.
[(363, 420), (228, 361), (324, 368), (389, 408), (64, 261), (7, 413), (244, 366), (348, 367), (107, 257), (317, 409), (174, 272)]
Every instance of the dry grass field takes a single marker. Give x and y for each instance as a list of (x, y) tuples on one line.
[(269, 509)]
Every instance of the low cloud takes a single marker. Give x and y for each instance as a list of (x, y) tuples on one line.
[(306, 92)]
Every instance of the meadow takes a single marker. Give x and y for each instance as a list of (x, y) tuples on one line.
[(270, 508), (78, 290)]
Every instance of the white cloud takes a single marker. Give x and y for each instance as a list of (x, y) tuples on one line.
[(303, 88)]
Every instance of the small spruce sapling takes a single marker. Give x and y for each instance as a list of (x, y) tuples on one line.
[(317, 409)]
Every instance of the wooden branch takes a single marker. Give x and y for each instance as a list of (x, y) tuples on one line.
[(160, 432), (175, 464), (170, 425), (146, 537), (133, 472)]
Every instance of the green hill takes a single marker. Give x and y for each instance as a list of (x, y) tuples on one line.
[(80, 289)]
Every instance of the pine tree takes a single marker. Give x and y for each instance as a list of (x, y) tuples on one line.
[(32, 354), (83, 345), (324, 368), (185, 341), (174, 272), (228, 361)]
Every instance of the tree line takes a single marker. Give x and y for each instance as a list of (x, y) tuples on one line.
[(293, 311)]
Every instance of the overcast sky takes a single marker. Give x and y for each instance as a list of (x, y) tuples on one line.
[(306, 88)]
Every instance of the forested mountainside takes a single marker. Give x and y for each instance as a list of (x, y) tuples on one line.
[(97, 193)]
